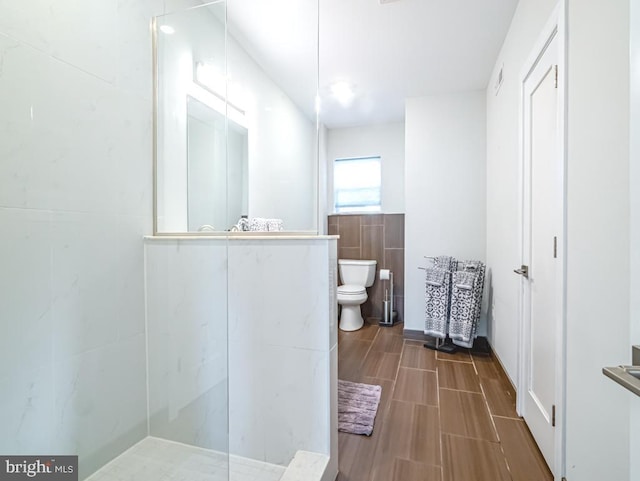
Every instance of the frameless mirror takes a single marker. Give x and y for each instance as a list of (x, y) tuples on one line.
[(216, 167), (236, 126)]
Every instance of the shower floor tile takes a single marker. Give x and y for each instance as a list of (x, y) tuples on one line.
[(154, 459)]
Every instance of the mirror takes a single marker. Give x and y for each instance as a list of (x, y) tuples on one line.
[(236, 126), (217, 165)]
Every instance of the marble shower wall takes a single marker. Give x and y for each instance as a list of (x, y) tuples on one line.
[(282, 344), (379, 237), (186, 289), (75, 201)]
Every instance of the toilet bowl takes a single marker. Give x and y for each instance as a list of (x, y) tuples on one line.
[(350, 297), (356, 276)]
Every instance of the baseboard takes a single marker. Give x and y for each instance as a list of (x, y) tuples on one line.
[(503, 371), (415, 335)]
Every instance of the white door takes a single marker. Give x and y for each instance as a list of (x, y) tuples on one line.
[(542, 226)]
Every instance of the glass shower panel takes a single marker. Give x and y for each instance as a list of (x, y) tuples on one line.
[(187, 356), (236, 117), (272, 74), (191, 123), (187, 282)]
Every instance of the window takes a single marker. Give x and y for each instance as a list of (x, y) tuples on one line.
[(356, 184)]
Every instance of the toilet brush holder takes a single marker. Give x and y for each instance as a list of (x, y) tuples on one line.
[(387, 303), (386, 312)]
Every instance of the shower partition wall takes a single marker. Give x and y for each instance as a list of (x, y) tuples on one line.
[(263, 389)]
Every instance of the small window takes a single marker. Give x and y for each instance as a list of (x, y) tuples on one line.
[(356, 184)]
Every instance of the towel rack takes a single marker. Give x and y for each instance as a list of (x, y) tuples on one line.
[(432, 258), (446, 344), (425, 268)]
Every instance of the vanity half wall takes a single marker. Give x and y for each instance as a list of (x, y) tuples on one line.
[(379, 237), (252, 318)]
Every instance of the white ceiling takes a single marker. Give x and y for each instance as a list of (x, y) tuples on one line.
[(388, 52)]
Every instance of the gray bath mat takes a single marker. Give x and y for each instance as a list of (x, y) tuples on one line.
[(357, 407)]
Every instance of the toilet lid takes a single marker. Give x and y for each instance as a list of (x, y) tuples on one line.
[(350, 289)]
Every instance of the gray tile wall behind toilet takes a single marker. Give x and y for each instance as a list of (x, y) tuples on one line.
[(379, 237)]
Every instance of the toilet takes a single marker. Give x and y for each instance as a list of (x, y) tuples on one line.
[(356, 276)]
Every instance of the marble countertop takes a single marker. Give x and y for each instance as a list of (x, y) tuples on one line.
[(240, 236)]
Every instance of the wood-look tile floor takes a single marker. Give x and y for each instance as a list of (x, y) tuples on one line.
[(442, 417)]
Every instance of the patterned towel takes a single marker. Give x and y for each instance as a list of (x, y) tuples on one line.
[(466, 305), (434, 276), (261, 224), (436, 303), (447, 263), (462, 307), (258, 224), (471, 265), (274, 225), (464, 280)]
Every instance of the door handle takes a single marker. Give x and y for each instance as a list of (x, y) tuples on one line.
[(523, 271)]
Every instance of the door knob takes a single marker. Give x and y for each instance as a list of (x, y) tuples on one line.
[(523, 271)]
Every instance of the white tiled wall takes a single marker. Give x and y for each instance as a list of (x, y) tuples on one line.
[(281, 333), (75, 201), (282, 338), (187, 343)]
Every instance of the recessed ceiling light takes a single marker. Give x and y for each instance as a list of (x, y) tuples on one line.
[(168, 29), (343, 92)]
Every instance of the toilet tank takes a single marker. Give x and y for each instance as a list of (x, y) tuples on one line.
[(357, 272)]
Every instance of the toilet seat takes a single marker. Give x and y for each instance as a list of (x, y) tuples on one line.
[(351, 290)]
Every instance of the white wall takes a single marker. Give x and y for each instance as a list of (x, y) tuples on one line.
[(634, 181), (597, 239), (444, 187), (597, 216), (503, 152), (283, 163), (384, 140), (75, 201)]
